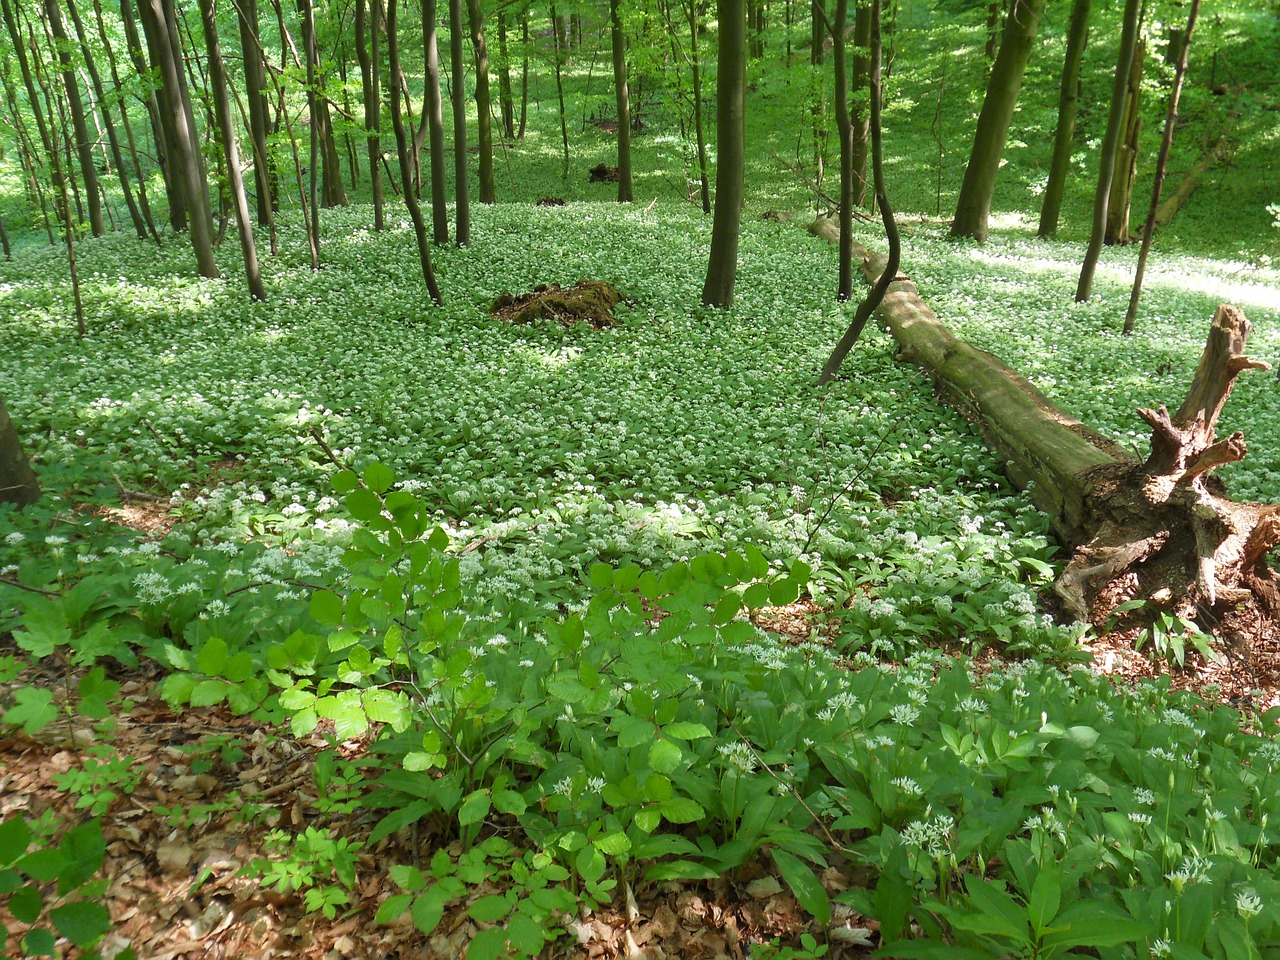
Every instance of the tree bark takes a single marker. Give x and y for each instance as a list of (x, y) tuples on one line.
[(731, 87), (265, 179), (974, 204), (622, 99), (79, 127), (699, 128), (406, 160), (434, 107), (558, 47), (184, 151), (369, 77), (1160, 530), (1068, 107), (1110, 146), (231, 152), (505, 99), (1117, 233), (484, 120), (18, 483), (156, 112), (1162, 161), (461, 175), (859, 118)]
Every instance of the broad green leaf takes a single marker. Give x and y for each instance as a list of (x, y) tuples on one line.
[(208, 692), (344, 481), (83, 922), (664, 756), (489, 909), (327, 608), (806, 886), (212, 658), (1046, 895), (15, 837), (488, 944), (378, 478), (33, 708), (474, 808)]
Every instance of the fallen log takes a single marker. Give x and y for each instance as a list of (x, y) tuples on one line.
[(1161, 529), (1169, 208)]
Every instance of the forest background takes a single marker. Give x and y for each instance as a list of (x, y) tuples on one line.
[(351, 617)]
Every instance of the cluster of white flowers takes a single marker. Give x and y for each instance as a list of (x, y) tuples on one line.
[(739, 756), (933, 835)]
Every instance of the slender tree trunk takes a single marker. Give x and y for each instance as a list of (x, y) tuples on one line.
[(4, 241), (859, 119), (699, 127), (622, 99), (75, 106), (222, 111), (333, 194), (434, 108), (1166, 142), (27, 151), (406, 161), (731, 86), (844, 129), (18, 483), (461, 176), (99, 91), (265, 179), (873, 299), (1117, 232), (505, 100), (484, 118), (993, 28), (524, 71), (1068, 106), (184, 150), (974, 204), (557, 29), (369, 77), (817, 90), (1110, 144), (156, 112)]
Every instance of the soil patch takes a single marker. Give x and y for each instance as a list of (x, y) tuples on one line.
[(587, 301), (603, 173)]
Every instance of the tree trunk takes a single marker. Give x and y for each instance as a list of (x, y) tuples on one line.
[(434, 108), (461, 176), (406, 160), (333, 193), (1110, 145), (524, 71), (1162, 160), (80, 128), (890, 270), (1118, 204), (1159, 530), (369, 77), (556, 30), (505, 99), (699, 128), (231, 152), (844, 129), (1068, 106), (484, 121), (622, 100), (18, 482), (731, 87), (184, 151), (100, 93), (859, 119), (817, 92), (157, 109), (974, 204), (265, 178)]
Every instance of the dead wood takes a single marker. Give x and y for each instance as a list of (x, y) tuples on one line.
[(587, 301), (1162, 529)]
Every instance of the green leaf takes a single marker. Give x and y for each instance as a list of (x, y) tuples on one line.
[(489, 909), (682, 810), (344, 481), (33, 708), (684, 730), (327, 608), (391, 908), (15, 837), (378, 478), (474, 808), (509, 802), (213, 657), (487, 944), (25, 904), (363, 505), (805, 884), (527, 935), (40, 942), (664, 756), (600, 576), (1046, 896), (428, 909), (208, 692), (83, 922), (613, 844)]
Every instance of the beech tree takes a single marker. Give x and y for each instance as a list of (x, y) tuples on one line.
[(622, 100), (731, 91), (974, 204), (75, 107), (484, 123), (18, 483), (1068, 107), (461, 176), (433, 106)]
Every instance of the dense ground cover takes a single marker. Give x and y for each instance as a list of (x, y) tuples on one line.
[(697, 647)]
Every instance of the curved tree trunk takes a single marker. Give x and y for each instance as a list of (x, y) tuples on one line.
[(484, 121), (80, 128), (1121, 199), (973, 206), (18, 482), (433, 106)]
